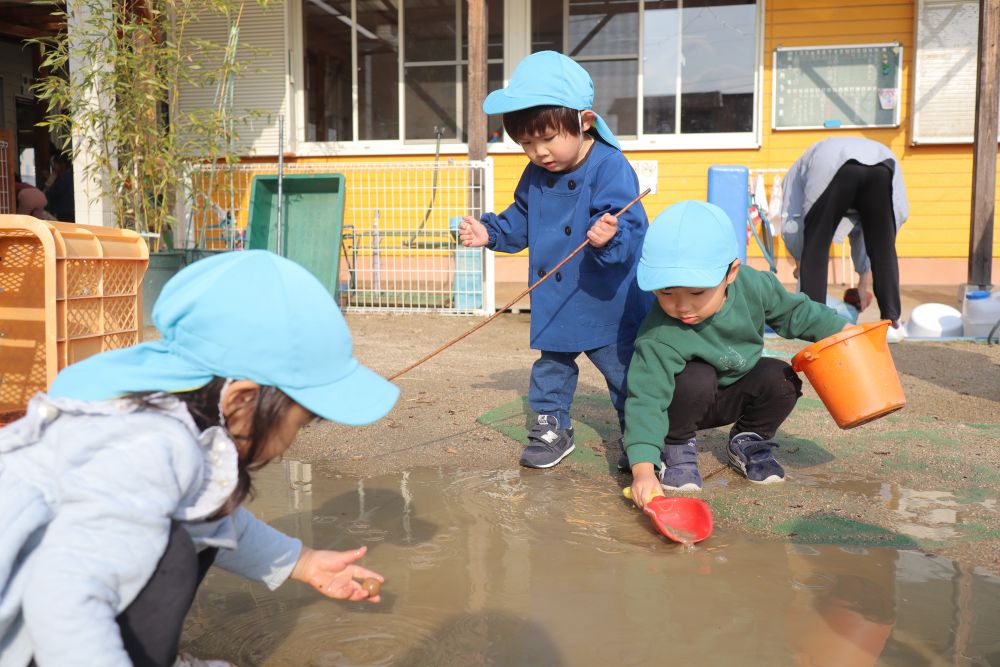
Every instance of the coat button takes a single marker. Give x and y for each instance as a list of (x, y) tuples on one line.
[(47, 412), (568, 230), (558, 276), (541, 273), (572, 185), (551, 182)]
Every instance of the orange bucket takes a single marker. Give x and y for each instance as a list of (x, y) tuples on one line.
[(853, 373)]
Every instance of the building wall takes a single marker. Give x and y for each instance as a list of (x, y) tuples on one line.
[(933, 244), (16, 73)]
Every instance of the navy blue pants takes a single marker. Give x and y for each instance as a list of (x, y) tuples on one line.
[(554, 376)]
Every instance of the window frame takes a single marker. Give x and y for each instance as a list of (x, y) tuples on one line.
[(517, 45), (920, 85)]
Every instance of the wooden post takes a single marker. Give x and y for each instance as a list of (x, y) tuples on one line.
[(476, 93), (476, 119), (984, 147), (42, 139)]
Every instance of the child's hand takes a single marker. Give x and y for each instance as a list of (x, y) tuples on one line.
[(472, 233), (333, 574), (603, 230), (645, 484)]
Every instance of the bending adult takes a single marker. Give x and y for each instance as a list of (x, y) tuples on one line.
[(30, 200), (846, 186)]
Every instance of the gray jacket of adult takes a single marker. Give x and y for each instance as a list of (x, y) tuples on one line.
[(88, 491), (809, 178)]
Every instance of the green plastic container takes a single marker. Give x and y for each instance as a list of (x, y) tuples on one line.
[(312, 217), (162, 267)]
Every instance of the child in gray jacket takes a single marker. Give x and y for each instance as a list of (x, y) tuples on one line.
[(123, 484)]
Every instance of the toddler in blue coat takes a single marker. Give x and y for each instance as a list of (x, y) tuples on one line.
[(123, 484), (576, 181)]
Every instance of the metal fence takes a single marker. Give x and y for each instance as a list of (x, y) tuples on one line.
[(8, 197), (399, 249)]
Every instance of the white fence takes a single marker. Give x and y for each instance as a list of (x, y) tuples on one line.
[(398, 248)]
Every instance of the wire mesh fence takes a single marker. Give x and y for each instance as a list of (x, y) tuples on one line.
[(8, 196), (398, 248)]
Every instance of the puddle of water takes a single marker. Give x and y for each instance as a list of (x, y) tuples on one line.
[(922, 514), (500, 568)]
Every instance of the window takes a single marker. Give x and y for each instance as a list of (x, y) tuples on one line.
[(385, 71), (944, 81), (699, 61), (395, 71)]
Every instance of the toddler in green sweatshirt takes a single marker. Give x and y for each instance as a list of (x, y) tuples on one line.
[(698, 357)]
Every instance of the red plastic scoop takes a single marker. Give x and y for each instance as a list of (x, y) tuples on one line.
[(684, 520)]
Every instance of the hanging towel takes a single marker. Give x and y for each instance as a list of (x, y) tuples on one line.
[(774, 211)]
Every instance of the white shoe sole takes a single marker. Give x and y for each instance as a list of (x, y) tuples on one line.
[(549, 465), (690, 486), (737, 463), (773, 479)]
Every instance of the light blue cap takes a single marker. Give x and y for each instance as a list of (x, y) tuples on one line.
[(244, 315), (690, 244), (548, 78)]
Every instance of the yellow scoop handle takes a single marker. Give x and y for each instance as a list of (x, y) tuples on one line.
[(627, 492)]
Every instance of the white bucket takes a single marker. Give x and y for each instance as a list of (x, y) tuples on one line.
[(934, 320), (981, 313)]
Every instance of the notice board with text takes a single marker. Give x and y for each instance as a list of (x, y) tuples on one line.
[(831, 87)]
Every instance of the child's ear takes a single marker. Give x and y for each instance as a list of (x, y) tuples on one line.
[(240, 394), (587, 118), (734, 268)]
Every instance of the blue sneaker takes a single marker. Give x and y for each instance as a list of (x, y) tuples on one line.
[(750, 455), (547, 443), (680, 467)]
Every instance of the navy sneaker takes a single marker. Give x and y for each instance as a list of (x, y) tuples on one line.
[(547, 443), (750, 455), (680, 467)]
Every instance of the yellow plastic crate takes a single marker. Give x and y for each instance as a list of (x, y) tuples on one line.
[(66, 292)]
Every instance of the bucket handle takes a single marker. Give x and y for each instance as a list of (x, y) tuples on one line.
[(810, 353)]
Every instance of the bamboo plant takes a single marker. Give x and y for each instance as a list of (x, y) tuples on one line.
[(119, 100)]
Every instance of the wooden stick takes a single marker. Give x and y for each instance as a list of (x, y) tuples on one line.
[(715, 472), (515, 300)]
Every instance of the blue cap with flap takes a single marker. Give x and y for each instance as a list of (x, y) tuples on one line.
[(249, 315)]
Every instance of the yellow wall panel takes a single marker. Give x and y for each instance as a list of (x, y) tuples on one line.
[(777, 6), (881, 15)]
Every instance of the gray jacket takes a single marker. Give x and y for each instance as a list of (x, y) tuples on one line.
[(87, 494), (810, 176)]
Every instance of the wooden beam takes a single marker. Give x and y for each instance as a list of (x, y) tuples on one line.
[(21, 32), (31, 15), (984, 147), (476, 119), (42, 139)]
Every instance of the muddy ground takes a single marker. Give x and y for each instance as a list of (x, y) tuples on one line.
[(927, 477)]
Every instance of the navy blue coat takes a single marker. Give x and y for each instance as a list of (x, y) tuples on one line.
[(593, 300)]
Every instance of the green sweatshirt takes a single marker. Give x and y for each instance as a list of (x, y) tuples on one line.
[(732, 341)]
